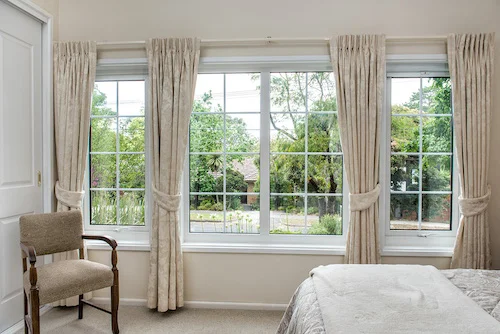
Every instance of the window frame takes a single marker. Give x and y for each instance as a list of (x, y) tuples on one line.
[(413, 242), (262, 242), (133, 237)]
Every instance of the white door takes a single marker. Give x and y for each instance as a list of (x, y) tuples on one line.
[(20, 147)]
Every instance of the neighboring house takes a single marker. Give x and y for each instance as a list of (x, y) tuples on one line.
[(251, 173)]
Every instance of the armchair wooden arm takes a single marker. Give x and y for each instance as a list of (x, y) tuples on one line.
[(110, 241), (29, 251)]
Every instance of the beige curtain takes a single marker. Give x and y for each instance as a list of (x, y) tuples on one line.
[(173, 67), (74, 76), (470, 58), (359, 67)]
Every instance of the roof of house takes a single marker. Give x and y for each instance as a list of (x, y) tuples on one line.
[(247, 168)]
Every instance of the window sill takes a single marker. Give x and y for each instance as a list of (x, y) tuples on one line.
[(122, 246), (245, 248), (418, 251)]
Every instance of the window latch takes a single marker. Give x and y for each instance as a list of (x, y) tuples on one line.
[(424, 235)]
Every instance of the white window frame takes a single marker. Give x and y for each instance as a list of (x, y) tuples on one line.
[(129, 237), (263, 242), (413, 242)]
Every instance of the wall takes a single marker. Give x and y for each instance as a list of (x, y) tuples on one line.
[(52, 7), (255, 277)]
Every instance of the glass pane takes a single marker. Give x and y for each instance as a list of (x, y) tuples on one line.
[(103, 135), (324, 215), (132, 171), (321, 91), (206, 213), (323, 133), (436, 212), (405, 95), (206, 133), (436, 95), (288, 92), (287, 132), (405, 134), (103, 207), (242, 92), (287, 215), (242, 173), (405, 173), (209, 93), (437, 134), (102, 170), (242, 133), (436, 173), (404, 212), (132, 208), (324, 174), (241, 217), (104, 98), (131, 95), (287, 173), (206, 173), (132, 135)]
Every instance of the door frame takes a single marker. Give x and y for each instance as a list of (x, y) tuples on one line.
[(48, 157)]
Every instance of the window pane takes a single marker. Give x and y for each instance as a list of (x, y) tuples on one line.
[(206, 133), (404, 212), (209, 93), (405, 173), (204, 171), (436, 212), (324, 174), (103, 171), (103, 134), (242, 132), (287, 173), (104, 98), (321, 91), (103, 207), (132, 134), (288, 92), (242, 173), (132, 206), (242, 92), (132, 171), (436, 95), (436, 134), (287, 215), (324, 215), (405, 134), (323, 133), (405, 95), (436, 173), (131, 96), (287, 132), (241, 217), (206, 213)]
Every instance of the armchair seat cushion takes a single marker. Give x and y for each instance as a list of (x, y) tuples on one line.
[(63, 279)]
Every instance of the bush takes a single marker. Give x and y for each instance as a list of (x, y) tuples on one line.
[(328, 224), (206, 204), (217, 206), (282, 231)]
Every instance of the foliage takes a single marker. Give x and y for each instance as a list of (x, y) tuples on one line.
[(328, 224)]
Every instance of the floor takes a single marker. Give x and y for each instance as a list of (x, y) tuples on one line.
[(133, 319)]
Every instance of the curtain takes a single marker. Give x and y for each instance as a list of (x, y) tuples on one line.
[(74, 76), (471, 59), (173, 67), (359, 67)]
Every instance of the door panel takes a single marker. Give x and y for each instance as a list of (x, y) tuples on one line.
[(20, 147)]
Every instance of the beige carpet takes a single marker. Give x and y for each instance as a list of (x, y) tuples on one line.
[(142, 320)]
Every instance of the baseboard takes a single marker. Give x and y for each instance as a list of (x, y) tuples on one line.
[(20, 325), (200, 304)]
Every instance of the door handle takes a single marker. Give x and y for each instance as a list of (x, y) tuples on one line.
[(39, 174)]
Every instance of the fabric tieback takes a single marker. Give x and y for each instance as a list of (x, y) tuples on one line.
[(360, 202), (167, 202), (72, 199), (474, 206)]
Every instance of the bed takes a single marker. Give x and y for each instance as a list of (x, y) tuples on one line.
[(333, 312)]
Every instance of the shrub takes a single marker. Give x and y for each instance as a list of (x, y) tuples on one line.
[(217, 206), (206, 204), (328, 224), (282, 231)]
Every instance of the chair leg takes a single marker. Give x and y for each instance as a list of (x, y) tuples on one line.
[(25, 313), (114, 307), (80, 307), (35, 311)]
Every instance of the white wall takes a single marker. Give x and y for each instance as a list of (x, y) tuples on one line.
[(260, 278)]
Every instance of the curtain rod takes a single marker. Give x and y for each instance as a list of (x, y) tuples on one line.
[(274, 41)]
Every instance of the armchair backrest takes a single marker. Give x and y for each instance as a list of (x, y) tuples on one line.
[(52, 233)]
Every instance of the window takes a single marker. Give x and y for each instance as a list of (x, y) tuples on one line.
[(117, 159), (264, 158)]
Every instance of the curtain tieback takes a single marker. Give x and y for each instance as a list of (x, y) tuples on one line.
[(474, 206), (72, 199), (360, 202), (167, 202)]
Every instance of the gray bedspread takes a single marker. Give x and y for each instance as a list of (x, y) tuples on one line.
[(303, 315)]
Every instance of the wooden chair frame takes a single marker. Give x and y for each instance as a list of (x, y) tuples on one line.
[(32, 302)]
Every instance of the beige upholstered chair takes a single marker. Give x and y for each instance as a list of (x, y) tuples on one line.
[(51, 233)]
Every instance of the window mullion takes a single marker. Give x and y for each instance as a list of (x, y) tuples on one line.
[(224, 158), (420, 158), (265, 146), (117, 156)]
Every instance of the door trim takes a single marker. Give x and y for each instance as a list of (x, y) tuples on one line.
[(48, 157)]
